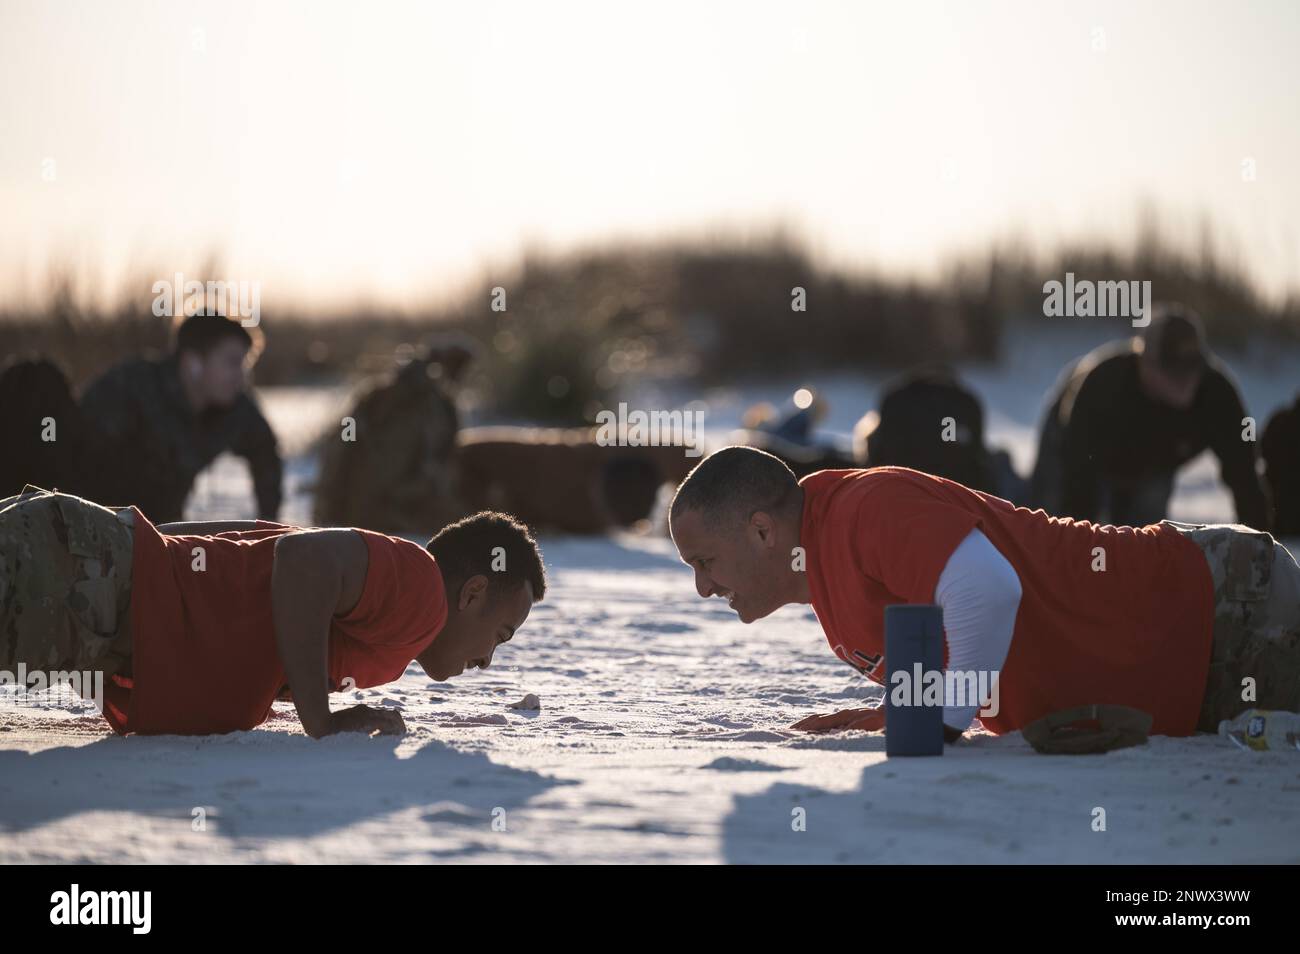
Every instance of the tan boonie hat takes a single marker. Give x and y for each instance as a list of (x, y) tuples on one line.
[(1085, 730)]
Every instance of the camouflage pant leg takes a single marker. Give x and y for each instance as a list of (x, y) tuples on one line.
[(28, 493), (65, 585), (1256, 621)]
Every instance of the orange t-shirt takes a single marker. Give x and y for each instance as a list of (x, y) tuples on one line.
[(204, 657), (1137, 633)]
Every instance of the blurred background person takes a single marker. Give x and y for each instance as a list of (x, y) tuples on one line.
[(144, 429), (929, 420), (41, 428), (1280, 448), (397, 470), (1125, 417), (153, 424)]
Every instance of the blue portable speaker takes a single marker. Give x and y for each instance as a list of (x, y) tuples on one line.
[(913, 638)]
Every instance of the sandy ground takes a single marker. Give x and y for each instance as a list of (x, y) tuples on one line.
[(661, 737)]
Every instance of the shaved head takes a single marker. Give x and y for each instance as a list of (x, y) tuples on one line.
[(735, 521), (731, 484)]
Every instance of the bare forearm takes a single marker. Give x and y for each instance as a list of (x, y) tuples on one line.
[(303, 596)]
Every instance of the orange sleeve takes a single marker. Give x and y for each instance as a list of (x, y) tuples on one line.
[(403, 596), (905, 534)]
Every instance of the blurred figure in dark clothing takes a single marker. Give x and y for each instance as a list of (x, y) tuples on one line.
[(143, 430), (930, 421), (396, 473), (1280, 447), (1126, 416), (41, 429), (153, 425)]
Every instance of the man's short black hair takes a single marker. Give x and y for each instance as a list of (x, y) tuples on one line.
[(1175, 338), (204, 331), (735, 482), (495, 545)]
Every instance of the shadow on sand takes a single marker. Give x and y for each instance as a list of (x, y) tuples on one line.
[(259, 784)]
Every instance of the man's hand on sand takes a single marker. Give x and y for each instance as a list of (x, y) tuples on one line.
[(367, 720), (870, 719)]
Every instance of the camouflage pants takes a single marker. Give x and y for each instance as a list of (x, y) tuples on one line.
[(1256, 621), (65, 584)]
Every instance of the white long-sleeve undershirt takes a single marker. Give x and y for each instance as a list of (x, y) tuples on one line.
[(980, 595)]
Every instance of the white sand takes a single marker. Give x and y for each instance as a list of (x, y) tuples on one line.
[(661, 737)]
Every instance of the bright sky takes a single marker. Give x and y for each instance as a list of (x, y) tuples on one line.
[(391, 150)]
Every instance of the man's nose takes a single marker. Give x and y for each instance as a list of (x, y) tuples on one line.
[(703, 585)]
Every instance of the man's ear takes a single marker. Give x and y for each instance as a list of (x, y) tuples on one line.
[(763, 525), (473, 590)]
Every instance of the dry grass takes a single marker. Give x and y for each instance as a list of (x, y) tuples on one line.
[(577, 325)]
